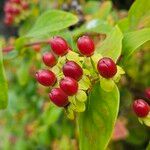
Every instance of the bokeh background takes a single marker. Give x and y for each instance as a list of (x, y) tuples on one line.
[(30, 122)]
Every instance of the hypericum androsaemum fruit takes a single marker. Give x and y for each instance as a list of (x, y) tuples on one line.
[(16, 1), (58, 97), (69, 86), (59, 46), (49, 59), (37, 47), (73, 70), (86, 45), (141, 108), (147, 93), (46, 77), (107, 67)]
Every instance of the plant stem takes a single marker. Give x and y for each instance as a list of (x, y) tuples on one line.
[(10, 48)]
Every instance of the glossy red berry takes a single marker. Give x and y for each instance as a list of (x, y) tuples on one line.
[(59, 97), (8, 8), (147, 93), (69, 85), (49, 59), (46, 77), (16, 11), (59, 46), (141, 108), (15, 1), (86, 45), (73, 70), (107, 67)]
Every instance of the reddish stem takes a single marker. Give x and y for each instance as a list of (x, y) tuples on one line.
[(10, 48)]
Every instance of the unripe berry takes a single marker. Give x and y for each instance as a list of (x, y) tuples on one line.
[(69, 86), (107, 67), (147, 93), (59, 97), (141, 108), (59, 46), (46, 77), (86, 45), (49, 59), (73, 70), (36, 47)]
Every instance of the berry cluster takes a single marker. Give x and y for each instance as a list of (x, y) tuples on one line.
[(142, 108), (15, 11), (69, 77)]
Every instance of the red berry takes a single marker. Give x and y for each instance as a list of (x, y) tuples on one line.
[(69, 85), (73, 70), (8, 8), (15, 1), (49, 59), (8, 19), (107, 67), (58, 97), (141, 108), (147, 93), (46, 77), (16, 11), (59, 46), (25, 5), (37, 48), (86, 45)]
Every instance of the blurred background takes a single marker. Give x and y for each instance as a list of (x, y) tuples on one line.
[(30, 122)]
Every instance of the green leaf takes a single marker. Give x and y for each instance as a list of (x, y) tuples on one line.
[(112, 45), (50, 21), (107, 84), (95, 25), (104, 10), (134, 40), (23, 73), (123, 24), (3, 83), (91, 7), (20, 42), (139, 14), (11, 55), (97, 122)]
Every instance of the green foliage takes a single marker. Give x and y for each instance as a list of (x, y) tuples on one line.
[(97, 122), (97, 104), (95, 25), (3, 83), (133, 40), (112, 45), (139, 14), (50, 21)]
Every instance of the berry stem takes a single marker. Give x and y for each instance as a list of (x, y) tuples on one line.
[(10, 48), (92, 63)]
